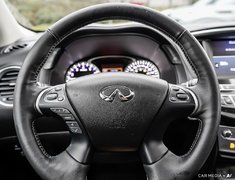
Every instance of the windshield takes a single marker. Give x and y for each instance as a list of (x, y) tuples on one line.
[(38, 15)]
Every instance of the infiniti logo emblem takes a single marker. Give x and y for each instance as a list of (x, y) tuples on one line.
[(122, 92)]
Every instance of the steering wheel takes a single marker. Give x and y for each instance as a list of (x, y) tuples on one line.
[(117, 111)]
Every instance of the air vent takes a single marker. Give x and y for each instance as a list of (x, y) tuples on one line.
[(8, 78), (14, 47)]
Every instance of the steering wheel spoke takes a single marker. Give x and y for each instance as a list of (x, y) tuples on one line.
[(170, 166), (80, 148), (58, 170), (179, 103), (53, 101)]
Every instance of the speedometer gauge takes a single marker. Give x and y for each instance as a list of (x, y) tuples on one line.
[(143, 67), (81, 69)]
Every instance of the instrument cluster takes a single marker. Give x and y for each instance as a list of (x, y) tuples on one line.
[(106, 64)]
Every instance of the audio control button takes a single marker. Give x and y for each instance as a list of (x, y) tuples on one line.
[(182, 96), (52, 96)]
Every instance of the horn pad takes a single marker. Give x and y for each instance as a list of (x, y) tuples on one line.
[(116, 108)]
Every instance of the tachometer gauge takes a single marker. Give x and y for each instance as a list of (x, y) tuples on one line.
[(143, 67), (81, 69)]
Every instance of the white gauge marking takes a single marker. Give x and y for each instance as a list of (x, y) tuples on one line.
[(144, 67), (78, 69)]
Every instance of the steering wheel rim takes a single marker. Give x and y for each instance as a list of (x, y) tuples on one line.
[(73, 165)]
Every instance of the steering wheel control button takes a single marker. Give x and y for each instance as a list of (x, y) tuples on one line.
[(52, 96), (227, 133), (74, 127), (173, 99), (68, 117), (64, 113), (179, 95), (60, 98), (76, 130), (60, 110), (72, 124), (55, 94), (182, 96)]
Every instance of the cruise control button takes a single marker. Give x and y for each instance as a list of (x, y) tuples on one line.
[(182, 97), (52, 96), (74, 127), (75, 130)]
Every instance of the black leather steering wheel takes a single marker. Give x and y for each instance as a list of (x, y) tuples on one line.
[(131, 110)]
